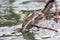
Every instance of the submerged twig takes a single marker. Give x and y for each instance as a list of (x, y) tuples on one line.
[(45, 28), (36, 17), (32, 21)]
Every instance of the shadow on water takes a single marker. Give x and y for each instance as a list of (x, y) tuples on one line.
[(28, 36)]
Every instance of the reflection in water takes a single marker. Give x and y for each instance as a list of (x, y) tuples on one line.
[(24, 36), (28, 36)]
